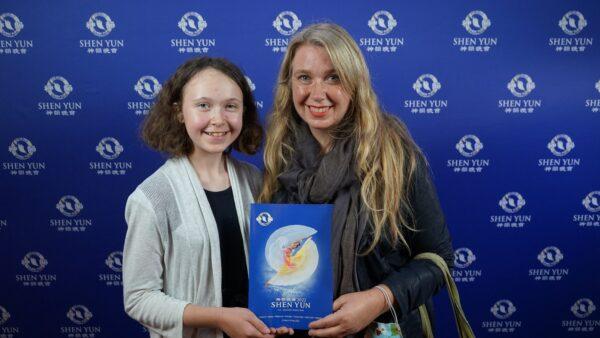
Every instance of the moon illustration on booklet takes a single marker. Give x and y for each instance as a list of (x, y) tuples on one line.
[(292, 254)]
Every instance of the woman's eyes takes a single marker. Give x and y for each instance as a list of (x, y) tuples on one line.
[(333, 78), (203, 105), (232, 106)]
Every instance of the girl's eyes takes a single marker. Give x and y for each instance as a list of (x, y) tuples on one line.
[(303, 78), (229, 106)]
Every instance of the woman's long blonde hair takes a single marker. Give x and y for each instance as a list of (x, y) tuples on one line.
[(385, 154)]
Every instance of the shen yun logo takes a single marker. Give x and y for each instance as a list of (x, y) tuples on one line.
[(592, 201), (287, 23), (69, 206), (264, 219), (521, 85), (79, 314), (250, 83), (257, 102), (469, 145), (476, 22), (58, 87), (10, 25), (550, 256), (464, 257), (34, 262), (503, 309), (382, 22), (583, 308), (427, 85), (147, 87), (572, 23), (192, 23), (594, 103), (561, 145), (22, 148), (115, 261), (512, 202), (100, 24), (4, 315), (109, 148)]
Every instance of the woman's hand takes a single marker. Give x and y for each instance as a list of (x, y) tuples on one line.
[(352, 313), (240, 323)]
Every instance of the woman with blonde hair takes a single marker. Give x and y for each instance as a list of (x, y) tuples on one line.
[(328, 141)]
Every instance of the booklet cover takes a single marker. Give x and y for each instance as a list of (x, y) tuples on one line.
[(290, 266)]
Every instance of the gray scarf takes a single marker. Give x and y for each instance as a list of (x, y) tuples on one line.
[(312, 177)]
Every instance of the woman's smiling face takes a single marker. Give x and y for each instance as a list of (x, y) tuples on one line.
[(318, 95)]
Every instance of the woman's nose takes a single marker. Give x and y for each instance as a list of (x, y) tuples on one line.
[(318, 91)]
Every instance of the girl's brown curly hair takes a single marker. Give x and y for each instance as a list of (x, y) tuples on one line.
[(163, 131)]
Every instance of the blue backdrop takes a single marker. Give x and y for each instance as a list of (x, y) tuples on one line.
[(502, 96)]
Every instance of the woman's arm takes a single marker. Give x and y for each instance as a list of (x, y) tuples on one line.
[(416, 281)]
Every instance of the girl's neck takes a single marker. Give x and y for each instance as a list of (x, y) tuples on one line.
[(211, 170)]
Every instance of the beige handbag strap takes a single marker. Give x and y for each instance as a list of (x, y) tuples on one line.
[(462, 325)]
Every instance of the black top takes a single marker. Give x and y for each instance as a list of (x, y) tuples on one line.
[(234, 284)]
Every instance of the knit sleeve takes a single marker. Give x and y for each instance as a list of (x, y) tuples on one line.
[(143, 252)]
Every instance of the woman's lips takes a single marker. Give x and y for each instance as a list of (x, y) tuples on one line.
[(318, 111)]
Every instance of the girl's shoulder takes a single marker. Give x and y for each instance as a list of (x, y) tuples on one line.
[(248, 172)]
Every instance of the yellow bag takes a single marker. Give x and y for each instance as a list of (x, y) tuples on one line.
[(464, 329)]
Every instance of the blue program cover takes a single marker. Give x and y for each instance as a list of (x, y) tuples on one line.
[(290, 264)]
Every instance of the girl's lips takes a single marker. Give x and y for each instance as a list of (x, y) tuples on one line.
[(216, 133)]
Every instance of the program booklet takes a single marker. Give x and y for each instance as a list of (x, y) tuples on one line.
[(290, 272)]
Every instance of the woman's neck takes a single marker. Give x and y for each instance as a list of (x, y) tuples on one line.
[(323, 138)]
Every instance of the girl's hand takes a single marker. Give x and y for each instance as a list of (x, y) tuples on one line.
[(241, 323), (352, 313)]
